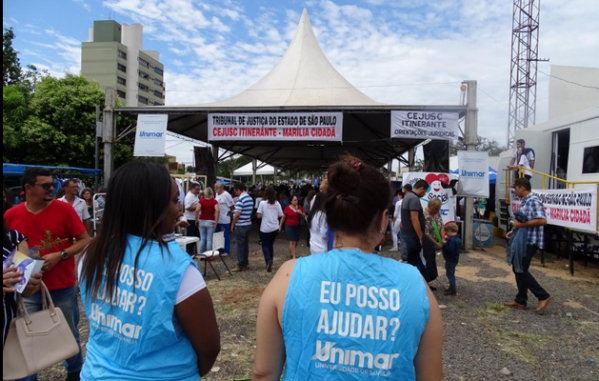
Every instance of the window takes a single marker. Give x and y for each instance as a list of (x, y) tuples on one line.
[(158, 93), (143, 100), (121, 94), (143, 62), (158, 104), (121, 80), (121, 67), (157, 82), (158, 70), (144, 75), (121, 54), (590, 160), (142, 87)]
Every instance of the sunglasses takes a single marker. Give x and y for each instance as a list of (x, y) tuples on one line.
[(46, 186)]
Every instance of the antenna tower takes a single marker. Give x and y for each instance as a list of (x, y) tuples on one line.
[(523, 66)]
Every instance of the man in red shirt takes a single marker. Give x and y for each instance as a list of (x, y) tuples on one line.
[(51, 226)]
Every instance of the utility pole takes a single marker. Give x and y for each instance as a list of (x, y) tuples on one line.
[(97, 153), (108, 134), (470, 137)]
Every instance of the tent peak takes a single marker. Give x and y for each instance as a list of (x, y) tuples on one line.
[(303, 77)]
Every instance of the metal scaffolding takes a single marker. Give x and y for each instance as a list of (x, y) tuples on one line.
[(523, 66)]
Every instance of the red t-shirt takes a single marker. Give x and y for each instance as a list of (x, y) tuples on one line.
[(60, 221), (293, 218), (207, 212)]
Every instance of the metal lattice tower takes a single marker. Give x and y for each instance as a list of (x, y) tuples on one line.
[(523, 66)]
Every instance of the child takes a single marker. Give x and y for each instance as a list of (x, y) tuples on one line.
[(451, 253)]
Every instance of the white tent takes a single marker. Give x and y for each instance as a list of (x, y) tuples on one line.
[(303, 77), (261, 169), (303, 81)]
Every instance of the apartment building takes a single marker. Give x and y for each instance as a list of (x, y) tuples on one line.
[(115, 58)]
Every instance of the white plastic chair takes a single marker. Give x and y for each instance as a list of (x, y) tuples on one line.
[(218, 242)]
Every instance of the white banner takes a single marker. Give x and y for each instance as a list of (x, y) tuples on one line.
[(570, 208), (436, 181), (474, 173), (424, 125), (150, 135), (276, 126)]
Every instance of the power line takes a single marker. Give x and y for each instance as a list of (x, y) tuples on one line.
[(570, 82)]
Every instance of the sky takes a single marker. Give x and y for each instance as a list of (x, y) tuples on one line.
[(406, 52)]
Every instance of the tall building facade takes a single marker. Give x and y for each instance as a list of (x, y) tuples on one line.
[(114, 57)]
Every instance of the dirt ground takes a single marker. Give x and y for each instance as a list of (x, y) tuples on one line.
[(483, 340)]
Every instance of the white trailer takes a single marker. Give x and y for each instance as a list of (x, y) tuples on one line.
[(566, 148)]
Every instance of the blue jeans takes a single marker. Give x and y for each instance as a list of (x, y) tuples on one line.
[(242, 235), (66, 299), (227, 229), (450, 271), (525, 281), (206, 231), (268, 240)]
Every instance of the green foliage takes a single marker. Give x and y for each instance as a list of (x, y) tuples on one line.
[(227, 167), (56, 123), (11, 68), (482, 144), (14, 113), (60, 129), (190, 168)]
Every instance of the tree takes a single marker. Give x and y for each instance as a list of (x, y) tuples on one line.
[(190, 168), (61, 128), (15, 111), (11, 68), (482, 144), (227, 167)]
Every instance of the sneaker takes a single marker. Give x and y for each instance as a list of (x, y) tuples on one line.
[(449, 292), (269, 266), (224, 255), (239, 269), (394, 249)]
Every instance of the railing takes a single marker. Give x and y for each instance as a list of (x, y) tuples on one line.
[(544, 178), (567, 185)]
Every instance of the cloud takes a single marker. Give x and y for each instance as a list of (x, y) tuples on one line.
[(85, 6), (405, 52)]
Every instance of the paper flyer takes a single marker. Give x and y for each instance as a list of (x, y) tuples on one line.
[(26, 265)]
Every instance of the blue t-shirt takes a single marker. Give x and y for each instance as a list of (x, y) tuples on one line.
[(135, 336), (351, 315), (244, 205)]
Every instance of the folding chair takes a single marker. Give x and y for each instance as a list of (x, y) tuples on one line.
[(218, 242)]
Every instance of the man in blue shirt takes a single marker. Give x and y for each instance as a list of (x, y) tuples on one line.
[(241, 226), (533, 209)]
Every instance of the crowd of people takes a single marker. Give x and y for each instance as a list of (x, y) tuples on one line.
[(335, 314)]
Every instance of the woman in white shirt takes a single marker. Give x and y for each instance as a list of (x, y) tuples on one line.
[(269, 211), (396, 222), (318, 226), (523, 162)]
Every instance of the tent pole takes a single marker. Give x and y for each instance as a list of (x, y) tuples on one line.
[(253, 171)]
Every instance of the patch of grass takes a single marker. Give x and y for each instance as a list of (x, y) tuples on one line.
[(460, 305), (495, 307), (526, 338), (491, 310)]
